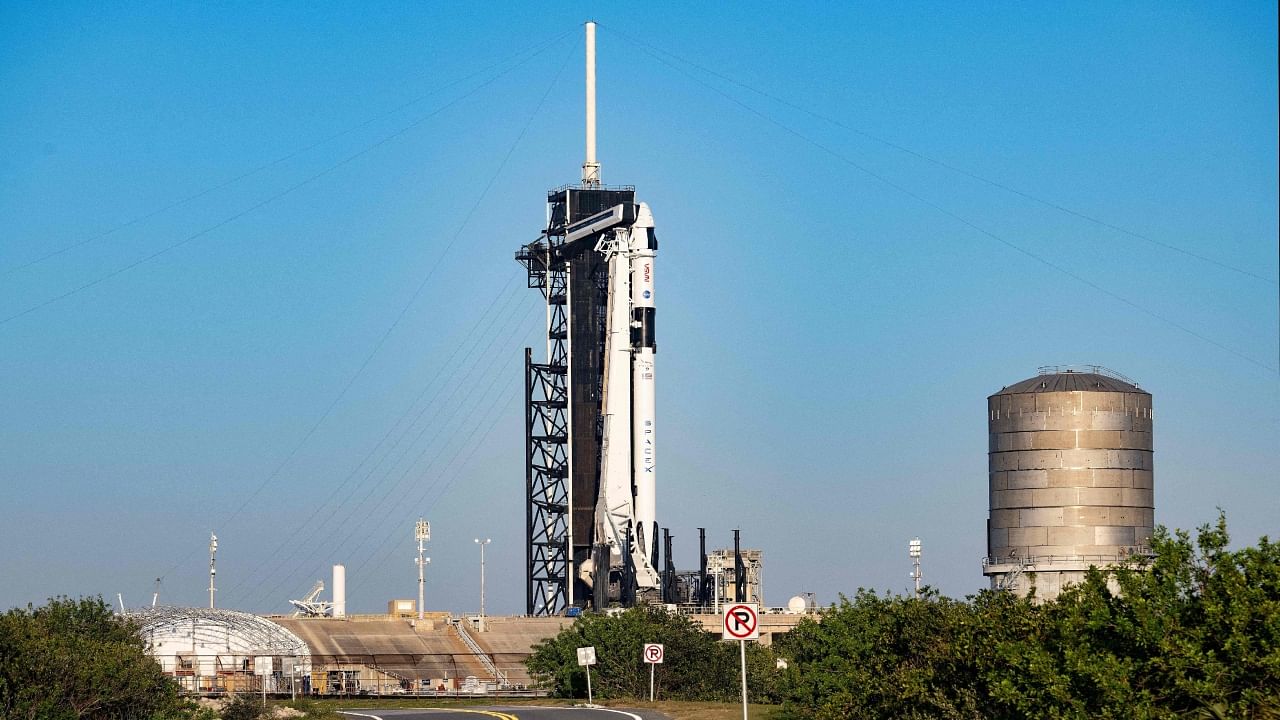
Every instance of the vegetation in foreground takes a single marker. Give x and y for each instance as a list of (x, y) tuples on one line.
[(1193, 633), (73, 659)]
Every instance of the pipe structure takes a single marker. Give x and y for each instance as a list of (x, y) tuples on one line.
[(339, 591), (702, 568), (739, 570), (591, 168)]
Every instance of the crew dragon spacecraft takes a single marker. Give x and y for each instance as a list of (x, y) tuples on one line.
[(590, 422)]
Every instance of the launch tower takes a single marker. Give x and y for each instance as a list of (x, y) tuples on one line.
[(589, 407)]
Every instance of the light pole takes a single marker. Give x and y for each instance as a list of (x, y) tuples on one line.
[(913, 548), (422, 532), (482, 543)]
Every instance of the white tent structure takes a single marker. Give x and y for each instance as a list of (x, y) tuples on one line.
[(215, 650)]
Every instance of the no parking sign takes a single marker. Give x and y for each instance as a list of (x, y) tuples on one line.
[(741, 622), (653, 653)]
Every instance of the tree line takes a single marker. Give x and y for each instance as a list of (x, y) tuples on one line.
[(1191, 632), (72, 659)]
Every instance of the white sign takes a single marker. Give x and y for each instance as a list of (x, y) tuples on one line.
[(653, 653), (741, 622), (587, 655)]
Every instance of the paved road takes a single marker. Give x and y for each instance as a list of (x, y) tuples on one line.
[(522, 712)]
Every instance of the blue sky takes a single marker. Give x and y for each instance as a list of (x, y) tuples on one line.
[(287, 309)]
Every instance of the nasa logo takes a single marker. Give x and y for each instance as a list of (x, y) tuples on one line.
[(647, 294)]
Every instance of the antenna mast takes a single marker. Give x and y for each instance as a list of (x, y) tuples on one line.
[(213, 571), (591, 168)]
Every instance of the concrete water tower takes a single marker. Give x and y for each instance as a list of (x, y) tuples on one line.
[(1070, 470)]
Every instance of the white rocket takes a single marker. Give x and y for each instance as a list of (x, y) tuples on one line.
[(643, 247), (627, 503), (628, 453)]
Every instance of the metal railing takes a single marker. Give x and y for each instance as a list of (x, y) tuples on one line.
[(1139, 554), (479, 652), (381, 675), (1095, 369)]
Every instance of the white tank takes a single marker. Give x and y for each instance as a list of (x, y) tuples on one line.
[(339, 591), (1070, 472), (797, 605)]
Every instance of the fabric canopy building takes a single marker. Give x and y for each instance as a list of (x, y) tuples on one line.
[(216, 650)]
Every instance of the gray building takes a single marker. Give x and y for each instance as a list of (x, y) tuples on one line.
[(1070, 472)]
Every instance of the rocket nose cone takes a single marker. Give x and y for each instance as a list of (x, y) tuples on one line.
[(644, 218)]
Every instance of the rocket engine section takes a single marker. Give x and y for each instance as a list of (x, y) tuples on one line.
[(626, 511)]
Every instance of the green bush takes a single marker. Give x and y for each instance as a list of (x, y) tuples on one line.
[(243, 707), (1193, 633), (697, 665), (76, 659)]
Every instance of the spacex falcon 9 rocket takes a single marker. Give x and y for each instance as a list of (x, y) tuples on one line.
[(591, 460)]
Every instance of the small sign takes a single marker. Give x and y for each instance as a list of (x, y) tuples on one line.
[(653, 653), (741, 622), (587, 655)]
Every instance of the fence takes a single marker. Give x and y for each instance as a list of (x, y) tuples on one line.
[(390, 675)]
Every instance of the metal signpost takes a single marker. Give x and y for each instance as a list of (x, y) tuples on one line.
[(587, 658), (741, 622), (652, 655)]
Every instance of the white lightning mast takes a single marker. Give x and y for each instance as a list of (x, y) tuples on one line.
[(591, 168)]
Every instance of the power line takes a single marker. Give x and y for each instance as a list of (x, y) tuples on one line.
[(403, 310), (310, 179), (387, 546), (296, 543), (301, 545), (462, 226), (943, 164), (282, 159), (963, 221), (344, 536)]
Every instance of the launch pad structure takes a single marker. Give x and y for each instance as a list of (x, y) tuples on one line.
[(589, 407)]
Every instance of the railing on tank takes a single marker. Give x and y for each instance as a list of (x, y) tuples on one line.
[(1139, 554), (1095, 369)]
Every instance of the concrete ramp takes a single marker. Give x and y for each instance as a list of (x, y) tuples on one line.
[(394, 647), (510, 640)]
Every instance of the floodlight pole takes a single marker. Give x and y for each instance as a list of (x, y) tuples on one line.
[(421, 532), (913, 548), (482, 543)]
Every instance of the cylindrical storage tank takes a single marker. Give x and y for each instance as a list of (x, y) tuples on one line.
[(339, 591), (1070, 472)]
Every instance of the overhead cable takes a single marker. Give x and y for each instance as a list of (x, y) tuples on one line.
[(944, 164), (963, 221), (282, 159), (263, 203)]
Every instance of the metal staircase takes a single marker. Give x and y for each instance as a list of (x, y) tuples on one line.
[(481, 655)]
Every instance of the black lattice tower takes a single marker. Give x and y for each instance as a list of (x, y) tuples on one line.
[(563, 420)]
